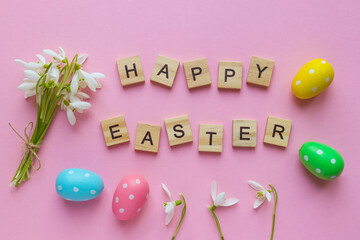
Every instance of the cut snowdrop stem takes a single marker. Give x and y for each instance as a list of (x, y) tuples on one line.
[(50, 83), (182, 215), (274, 214), (216, 220)]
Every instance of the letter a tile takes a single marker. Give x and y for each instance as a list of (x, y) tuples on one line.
[(147, 137)]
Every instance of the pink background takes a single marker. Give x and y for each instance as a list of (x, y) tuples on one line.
[(289, 32)]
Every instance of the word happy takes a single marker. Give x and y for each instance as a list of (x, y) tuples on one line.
[(178, 130), (196, 72)]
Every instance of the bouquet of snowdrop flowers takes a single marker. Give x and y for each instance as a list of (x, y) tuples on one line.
[(58, 83)]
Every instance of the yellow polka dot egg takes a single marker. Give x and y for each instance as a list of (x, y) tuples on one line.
[(313, 78)]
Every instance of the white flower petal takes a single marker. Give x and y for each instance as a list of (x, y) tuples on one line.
[(31, 75), (170, 206), (74, 85), (33, 65), (229, 202), (213, 190), (20, 62), (74, 98), (26, 86), (29, 93), (71, 116), (82, 95), (166, 190), (53, 54), (258, 202), (81, 105), (55, 74), (268, 196), (61, 52), (82, 58), (219, 199), (255, 185), (169, 216), (41, 58), (97, 75)]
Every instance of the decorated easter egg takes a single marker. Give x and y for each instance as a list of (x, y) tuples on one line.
[(313, 78), (77, 184), (321, 160), (130, 197)]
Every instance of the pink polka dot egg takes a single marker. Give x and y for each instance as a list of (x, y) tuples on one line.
[(130, 196)]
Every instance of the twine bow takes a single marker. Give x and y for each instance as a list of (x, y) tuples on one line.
[(30, 148)]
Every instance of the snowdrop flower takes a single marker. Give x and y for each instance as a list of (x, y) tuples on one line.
[(261, 193), (170, 208), (57, 56), (84, 79), (219, 200), (74, 103), (29, 84)]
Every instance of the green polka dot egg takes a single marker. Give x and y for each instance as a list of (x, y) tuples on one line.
[(312, 79), (321, 160)]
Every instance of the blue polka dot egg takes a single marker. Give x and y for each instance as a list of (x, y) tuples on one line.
[(77, 184)]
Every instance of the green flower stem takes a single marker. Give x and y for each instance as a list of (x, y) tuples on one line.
[(47, 106), (182, 217), (216, 220), (274, 215)]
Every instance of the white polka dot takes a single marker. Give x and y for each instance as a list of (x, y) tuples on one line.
[(319, 152), (333, 161), (59, 187), (147, 195), (323, 61), (87, 174), (131, 197), (117, 199), (314, 89), (75, 189), (298, 82), (139, 209), (70, 172), (306, 158), (332, 177), (318, 170), (121, 210), (125, 185), (92, 192), (327, 79), (137, 181), (311, 71)]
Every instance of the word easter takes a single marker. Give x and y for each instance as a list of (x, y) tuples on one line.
[(178, 129), (196, 72)]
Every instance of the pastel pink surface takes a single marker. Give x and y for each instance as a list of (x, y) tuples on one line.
[(289, 32), (130, 197)]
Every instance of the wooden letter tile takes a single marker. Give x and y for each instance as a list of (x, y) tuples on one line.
[(178, 130), (115, 131), (147, 137), (230, 75), (210, 138), (197, 73), (260, 71), (164, 71), (130, 70), (244, 133), (277, 131)]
